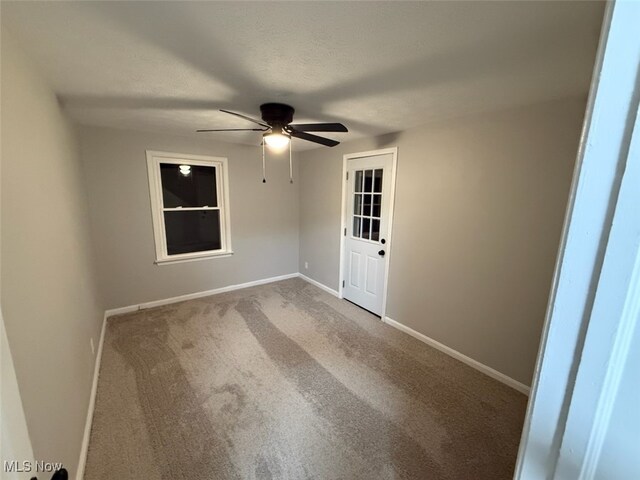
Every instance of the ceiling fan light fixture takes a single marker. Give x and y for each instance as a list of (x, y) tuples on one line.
[(277, 140)]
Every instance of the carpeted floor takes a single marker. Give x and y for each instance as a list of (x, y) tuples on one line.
[(284, 381)]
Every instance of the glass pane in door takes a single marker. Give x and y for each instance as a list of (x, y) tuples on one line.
[(366, 210), (366, 223), (356, 227), (377, 202), (375, 230), (358, 181), (377, 181), (357, 204), (368, 180)]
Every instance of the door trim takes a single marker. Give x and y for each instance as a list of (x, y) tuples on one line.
[(343, 218)]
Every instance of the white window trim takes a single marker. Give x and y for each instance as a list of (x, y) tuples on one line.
[(154, 159)]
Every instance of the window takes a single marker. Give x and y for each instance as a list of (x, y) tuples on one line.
[(190, 206), (367, 202)]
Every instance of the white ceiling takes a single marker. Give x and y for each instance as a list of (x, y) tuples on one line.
[(377, 67)]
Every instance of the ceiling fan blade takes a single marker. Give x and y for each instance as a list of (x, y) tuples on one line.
[(246, 118), (234, 130), (313, 138), (319, 127)]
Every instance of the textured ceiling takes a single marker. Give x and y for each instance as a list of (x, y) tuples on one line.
[(377, 67)]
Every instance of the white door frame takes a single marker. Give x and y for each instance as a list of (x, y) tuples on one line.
[(343, 220)]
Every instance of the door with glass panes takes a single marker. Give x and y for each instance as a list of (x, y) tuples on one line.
[(368, 205)]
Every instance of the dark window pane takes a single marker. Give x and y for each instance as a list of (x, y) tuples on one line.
[(365, 228), (196, 187), (357, 204), (368, 180), (356, 227), (366, 211), (358, 181), (192, 231), (377, 181), (377, 201), (375, 230)]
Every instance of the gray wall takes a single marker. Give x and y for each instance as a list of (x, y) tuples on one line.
[(49, 298), (479, 208), (264, 217)]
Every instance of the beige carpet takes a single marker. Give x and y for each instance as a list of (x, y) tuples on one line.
[(284, 381)]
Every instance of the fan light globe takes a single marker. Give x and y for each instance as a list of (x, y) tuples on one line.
[(185, 169), (277, 141)]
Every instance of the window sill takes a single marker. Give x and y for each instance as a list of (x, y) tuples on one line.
[(208, 256)]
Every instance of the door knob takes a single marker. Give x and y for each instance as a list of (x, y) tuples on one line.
[(381, 253)]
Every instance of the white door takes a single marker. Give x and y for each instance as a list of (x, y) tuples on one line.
[(368, 206)]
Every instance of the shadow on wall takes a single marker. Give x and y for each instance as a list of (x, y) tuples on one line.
[(387, 139)]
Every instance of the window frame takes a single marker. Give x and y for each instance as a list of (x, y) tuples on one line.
[(154, 159)]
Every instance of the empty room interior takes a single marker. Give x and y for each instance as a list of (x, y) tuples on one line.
[(282, 240)]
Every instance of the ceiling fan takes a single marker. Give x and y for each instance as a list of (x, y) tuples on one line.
[(276, 123)]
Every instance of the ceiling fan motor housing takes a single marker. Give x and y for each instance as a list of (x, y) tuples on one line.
[(276, 120), (277, 115)]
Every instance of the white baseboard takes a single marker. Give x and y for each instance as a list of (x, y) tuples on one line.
[(191, 296), (319, 285), (501, 377), (92, 404)]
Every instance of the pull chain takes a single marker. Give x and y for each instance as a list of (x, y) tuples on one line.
[(290, 164), (264, 169)]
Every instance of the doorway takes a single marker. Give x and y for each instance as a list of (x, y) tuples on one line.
[(367, 213)]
